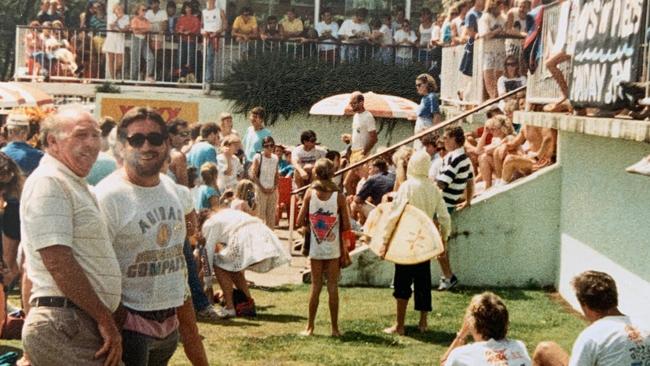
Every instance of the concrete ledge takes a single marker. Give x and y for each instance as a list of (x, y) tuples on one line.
[(625, 129)]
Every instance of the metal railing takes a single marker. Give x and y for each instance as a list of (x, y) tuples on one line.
[(75, 55), (542, 88), (460, 89)]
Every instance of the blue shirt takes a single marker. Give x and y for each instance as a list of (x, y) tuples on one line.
[(285, 168), (429, 106), (253, 141), (202, 196), (471, 19), (102, 168), (24, 155), (201, 153)]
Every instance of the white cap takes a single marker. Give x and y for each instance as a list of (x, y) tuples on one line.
[(18, 120)]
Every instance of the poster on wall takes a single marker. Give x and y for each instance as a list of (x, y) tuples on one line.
[(607, 51), (168, 109)]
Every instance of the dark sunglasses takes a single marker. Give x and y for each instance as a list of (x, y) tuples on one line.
[(137, 140), (182, 134), (268, 145)]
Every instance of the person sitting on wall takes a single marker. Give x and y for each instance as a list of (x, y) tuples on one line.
[(613, 338), (562, 51), (523, 160), (491, 156), (486, 320)]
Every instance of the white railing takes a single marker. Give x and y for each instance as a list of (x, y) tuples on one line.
[(460, 89), (173, 59)]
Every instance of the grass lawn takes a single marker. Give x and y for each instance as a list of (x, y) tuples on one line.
[(271, 338)]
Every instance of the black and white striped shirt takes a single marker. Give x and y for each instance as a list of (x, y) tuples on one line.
[(455, 172)]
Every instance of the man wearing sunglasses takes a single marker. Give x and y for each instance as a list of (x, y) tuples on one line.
[(146, 218)]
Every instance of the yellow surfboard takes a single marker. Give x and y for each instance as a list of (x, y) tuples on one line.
[(413, 236)]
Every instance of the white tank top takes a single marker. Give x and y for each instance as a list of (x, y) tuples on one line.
[(324, 225)]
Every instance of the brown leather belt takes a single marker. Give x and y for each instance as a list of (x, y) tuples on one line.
[(53, 302)]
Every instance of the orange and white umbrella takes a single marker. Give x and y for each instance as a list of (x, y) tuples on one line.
[(379, 105), (10, 99), (24, 94)]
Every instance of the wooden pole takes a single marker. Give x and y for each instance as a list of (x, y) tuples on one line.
[(423, 133)]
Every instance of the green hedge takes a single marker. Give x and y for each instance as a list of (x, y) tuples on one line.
[(285, 86)]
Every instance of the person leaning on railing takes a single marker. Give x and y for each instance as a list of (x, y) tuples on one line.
[(140, 26), (188, 26), (328, 32), (292, 26), (213, 25), (353, 32), (469, 34), (118, 22), (405, 39), (245, 27)]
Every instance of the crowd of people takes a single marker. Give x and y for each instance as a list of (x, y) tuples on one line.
[(128, 262), (167, 43)]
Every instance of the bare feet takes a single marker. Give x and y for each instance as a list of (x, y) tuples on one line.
[(394, 330), (307, 332), (336, 333), (423, 327)]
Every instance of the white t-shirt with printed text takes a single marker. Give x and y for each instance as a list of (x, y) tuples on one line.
[(147, 228), (612, 341), (505, 352), (362, 124)]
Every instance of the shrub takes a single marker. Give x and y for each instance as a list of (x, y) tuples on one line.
[(284, 85)]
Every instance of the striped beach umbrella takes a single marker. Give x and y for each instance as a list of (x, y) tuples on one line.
[(28, 95), (379, 105)]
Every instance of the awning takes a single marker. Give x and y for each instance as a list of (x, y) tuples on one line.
[(15, 94)]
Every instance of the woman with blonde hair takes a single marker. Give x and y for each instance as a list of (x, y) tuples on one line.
[(244, 197), (491, 156), (486, 320), (118, 22), (326, 221), (400, 161)]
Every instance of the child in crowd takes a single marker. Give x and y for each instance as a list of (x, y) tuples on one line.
[(335, 157), (326, 221), (230, 168), (244, 197), (264, 172), (206, 196), (236, 241)]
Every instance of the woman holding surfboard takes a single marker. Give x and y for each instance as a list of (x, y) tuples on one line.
[(327, 224)]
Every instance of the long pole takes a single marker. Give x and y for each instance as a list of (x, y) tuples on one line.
[(423, 133)]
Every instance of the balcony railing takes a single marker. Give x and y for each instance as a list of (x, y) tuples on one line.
[(173, 59), (460, 89)]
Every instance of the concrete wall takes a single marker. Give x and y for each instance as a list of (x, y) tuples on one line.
[(284, 131), (605, 217), (510, 237)]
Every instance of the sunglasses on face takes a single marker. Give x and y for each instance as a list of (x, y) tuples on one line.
[(182, 134), (268, 145), (137, 140)]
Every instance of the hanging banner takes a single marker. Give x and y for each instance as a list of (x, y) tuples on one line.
[(607, 39), (117, 106)]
